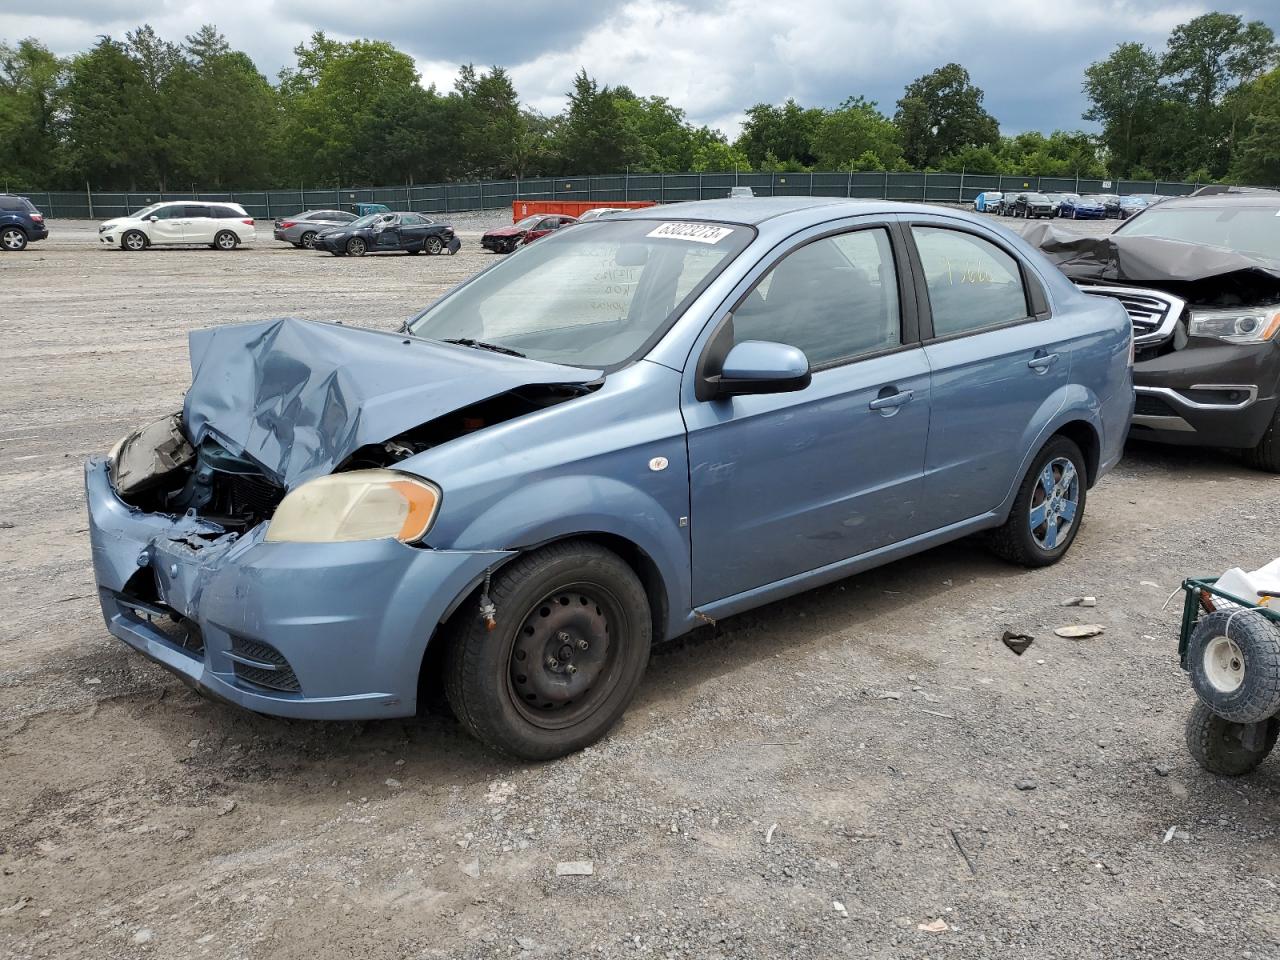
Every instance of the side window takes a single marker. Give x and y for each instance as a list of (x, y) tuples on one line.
[(173, 212), (834, 298), (549, 224), (411, 220), (972, 283), (196, 210)]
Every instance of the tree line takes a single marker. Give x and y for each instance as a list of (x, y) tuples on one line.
[(144, 112)]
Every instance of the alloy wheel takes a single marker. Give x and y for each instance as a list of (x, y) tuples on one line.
[(13, 239), (1054, 503)]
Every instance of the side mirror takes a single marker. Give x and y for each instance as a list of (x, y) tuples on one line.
[(760, 366), (153, 218)]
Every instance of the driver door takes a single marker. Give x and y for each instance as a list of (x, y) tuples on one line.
[(386, 233)]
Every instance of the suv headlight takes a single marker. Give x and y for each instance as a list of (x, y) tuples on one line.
[(359, 505), (1235, 324)]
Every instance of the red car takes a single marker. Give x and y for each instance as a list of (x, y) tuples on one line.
[(506, 239)]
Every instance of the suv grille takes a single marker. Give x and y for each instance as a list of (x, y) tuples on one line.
[(270, 669), (1147, 405), (1152, 312)]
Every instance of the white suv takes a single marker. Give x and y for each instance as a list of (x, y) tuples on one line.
[(223, 226)]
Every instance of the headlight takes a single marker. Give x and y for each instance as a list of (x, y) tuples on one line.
[(360, 505), (1235, 324)]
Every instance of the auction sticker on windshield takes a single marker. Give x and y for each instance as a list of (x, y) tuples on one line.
[(697, 232)]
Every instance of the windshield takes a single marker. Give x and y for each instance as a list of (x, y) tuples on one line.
[(1252, 230), (594, 296), (1100, 201), (528, 222), (146, 211), (1037, 197), (368, 220)]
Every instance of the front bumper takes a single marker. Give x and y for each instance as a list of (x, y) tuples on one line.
[(345, 623), (1210, 394)]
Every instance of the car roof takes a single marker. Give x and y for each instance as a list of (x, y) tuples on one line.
[(768, 208), (1268, 199)]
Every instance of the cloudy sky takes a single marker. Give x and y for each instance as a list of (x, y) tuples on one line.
[(713, 57)]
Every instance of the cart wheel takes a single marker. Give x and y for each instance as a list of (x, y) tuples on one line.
[(1234, 660), (1226, 748)]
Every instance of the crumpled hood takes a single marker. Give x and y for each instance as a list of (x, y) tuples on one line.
[(1145, 260), (299, 397), (511, 231)]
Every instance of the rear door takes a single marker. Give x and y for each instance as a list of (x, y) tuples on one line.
[(998, 365), (413, 231)]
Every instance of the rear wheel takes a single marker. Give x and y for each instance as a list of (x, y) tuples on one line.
[(309, 240), (434, 245), (357, 247), (225, 240), (1047, 512), (13, 239), (1226, 748), (134, 240), (570, 646)]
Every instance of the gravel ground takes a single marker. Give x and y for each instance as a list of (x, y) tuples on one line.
[(862, 771)]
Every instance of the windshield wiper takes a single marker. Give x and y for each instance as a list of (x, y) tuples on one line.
[(482, 345)]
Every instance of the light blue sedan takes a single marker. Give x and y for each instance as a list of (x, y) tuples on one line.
[(628, 429)]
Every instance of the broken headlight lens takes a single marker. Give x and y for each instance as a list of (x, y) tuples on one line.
[(359, 505), (1235, 324)]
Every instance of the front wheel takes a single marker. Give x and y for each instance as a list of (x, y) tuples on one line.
[(225, 240), (13, 239), (1227, 748), (1047, 512), (134, 240), (434, 245), (564, 659), (357, 247)]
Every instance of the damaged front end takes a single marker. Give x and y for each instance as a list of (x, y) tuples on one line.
[(268, 544), (1205, 321)]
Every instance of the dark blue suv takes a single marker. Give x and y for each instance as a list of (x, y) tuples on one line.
[(20, 223)]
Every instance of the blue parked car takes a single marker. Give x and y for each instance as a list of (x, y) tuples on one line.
[(637, 426), (20, 223), (1082, 208)]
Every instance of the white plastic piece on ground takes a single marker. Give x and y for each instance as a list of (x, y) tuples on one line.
[(1244, 585)]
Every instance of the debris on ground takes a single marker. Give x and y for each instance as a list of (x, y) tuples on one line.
[(575, 868), (1080, 602), (1163, 769), (839, 908), (1025, 784), (1168, 834), (471, 868), (889, 695), (1081, 631), (768, 837), (934, 926), (1017, 642)]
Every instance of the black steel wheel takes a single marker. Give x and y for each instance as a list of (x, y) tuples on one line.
[(569, 647)]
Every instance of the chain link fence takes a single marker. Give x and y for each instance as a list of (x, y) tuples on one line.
[(445, 198)]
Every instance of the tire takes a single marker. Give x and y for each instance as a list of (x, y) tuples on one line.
[(434, 245), (13, 239), (1226, 748), (1266, 455), (357, 247), (511, 246), (1074, 215), (134, 240), (309, 240), (1021, 539), (1233, 657), (225, 240), (549, 603)]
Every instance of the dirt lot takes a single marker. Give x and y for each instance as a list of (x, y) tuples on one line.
[(860, 743)]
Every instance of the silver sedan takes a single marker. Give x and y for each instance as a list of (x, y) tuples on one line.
[(301, 229)]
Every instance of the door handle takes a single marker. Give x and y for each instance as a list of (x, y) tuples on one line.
[(895, 399), (1043, 362)]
